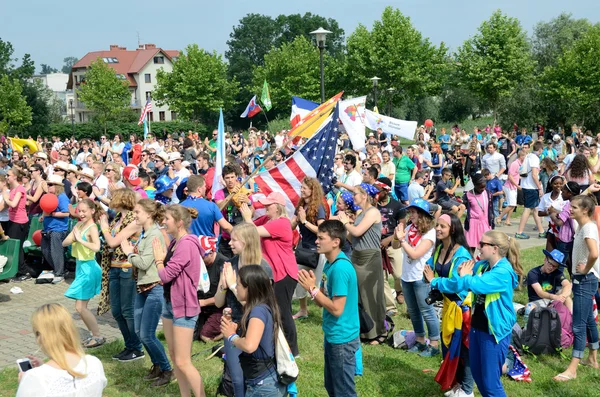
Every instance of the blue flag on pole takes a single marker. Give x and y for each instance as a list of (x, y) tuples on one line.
[(146, 127), (220, 157)]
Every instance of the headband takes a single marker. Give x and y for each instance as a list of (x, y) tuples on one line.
[(446, 218)]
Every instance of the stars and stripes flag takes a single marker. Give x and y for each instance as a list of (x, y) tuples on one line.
[(145, 110), (314, 159)]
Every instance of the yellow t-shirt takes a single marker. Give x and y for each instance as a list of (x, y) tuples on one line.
[(593, 161)]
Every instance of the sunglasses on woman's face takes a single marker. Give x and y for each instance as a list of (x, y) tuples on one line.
[(483, 243)]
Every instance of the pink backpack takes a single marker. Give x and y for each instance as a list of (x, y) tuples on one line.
[(566, 324)]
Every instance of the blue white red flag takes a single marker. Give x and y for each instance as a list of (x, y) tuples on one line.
[(220, 157), (252, 109), (300, 108)]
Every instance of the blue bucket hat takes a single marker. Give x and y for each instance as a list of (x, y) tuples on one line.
[(349, 200), (556, 256), (420, 204), (164, 183)]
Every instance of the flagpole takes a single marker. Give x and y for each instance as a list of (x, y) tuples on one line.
[(265, 113), (149, 124)]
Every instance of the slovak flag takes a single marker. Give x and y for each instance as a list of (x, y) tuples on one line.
[(252, 109), (300, 108)]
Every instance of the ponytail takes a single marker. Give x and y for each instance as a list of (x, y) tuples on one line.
[(514, 257), (98, 210)]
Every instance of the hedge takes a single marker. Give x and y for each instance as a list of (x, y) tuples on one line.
[(95, 130)]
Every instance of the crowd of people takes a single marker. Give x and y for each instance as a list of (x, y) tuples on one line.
[(147, 229)]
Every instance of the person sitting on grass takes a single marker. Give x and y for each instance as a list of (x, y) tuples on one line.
[(339, 300), (547, 283)]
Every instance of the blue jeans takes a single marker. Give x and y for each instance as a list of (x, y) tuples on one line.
[(415, 293), (464, 375), (340, 367), (121, 293), (401, 190), (268, 387), (487, 358), (147, 310), (584, 324), (232, 360)]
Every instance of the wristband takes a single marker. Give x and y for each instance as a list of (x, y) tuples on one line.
[(233, 286), (232, 337), (313, 293)]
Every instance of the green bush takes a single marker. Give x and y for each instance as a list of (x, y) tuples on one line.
[(279, 124), (95, 130)]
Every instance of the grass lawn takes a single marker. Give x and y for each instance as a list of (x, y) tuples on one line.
[(387, 372)]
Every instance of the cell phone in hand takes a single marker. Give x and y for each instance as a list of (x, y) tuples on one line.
[(24, 364)]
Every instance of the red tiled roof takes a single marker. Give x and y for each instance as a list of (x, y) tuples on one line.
[(129, 61)]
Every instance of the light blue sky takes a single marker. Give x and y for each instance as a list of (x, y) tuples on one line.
[(50, 31)]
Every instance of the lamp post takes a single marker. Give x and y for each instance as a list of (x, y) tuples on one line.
[(375, 79), (320, 35), (72, 116), (391, 90)]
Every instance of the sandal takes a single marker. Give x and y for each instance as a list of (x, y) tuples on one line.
[(400, 298), (380, 340), (563, 378), (299, 316), (94, 341)]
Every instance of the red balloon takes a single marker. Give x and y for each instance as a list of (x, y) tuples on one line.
[(428, 123), (37, 237), (49, 202)]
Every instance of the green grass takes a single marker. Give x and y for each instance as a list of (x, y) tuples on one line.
[(387, 372)]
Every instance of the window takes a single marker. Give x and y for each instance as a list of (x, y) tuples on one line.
[(121, 76), (159, 59), (81, 117), (151, 116), (173, 115), (110, 60), (161, 116), (148, 94), (148, 78)]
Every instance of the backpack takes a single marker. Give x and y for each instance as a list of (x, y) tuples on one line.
[(543, 333), (287, 369), (566, 324)]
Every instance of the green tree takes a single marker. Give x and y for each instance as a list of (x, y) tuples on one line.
[(103, 92), (7, 62), (572, 87), (68, 64), (495, 60), (396, 52), (551, 39), (197, 87), (46, 69), (292, 69), (294, 25), (14, 111)]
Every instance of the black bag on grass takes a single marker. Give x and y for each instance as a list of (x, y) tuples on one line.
[(542, 335)]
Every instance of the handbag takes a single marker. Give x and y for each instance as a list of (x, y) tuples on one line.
[(307, 257)]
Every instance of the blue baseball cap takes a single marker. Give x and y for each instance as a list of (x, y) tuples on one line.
[(556, 256)]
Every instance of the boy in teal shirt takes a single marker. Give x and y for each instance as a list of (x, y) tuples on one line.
[(338, 296)]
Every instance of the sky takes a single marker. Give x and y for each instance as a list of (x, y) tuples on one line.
[(50, 32)]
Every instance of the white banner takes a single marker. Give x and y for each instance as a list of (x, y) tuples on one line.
[(352, 114), (390, 125)]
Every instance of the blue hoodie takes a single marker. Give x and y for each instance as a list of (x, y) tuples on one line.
[(449, 285), (498, 285)]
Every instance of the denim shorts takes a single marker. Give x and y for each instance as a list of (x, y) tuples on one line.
[(531, 197), (183, 322)]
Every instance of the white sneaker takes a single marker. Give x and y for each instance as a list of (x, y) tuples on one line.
[(461, 393), (451, 392)]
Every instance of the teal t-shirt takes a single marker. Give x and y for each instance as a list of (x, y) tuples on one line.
[(340, 280)]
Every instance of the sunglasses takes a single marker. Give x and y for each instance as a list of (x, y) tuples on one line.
[(144, 155), (39, 159), (33, 170), (483, 243), (108, 170)]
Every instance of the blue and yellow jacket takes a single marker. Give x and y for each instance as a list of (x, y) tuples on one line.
[(449, 285)]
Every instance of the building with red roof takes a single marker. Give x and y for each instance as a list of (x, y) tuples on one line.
[(137, 66)]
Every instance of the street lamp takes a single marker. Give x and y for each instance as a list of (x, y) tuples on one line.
[(320, 35), (391, 90), (375, 79), (72, 116)]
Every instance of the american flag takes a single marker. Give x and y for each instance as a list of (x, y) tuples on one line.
[(314, 159), (145, 110)]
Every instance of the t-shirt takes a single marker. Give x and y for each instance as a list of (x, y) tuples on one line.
[(437, 159), (531, 161), (547, 202), (440, 189), (18, 214), (390, 216), (352, 179), (214, 274), (550, 282), (513, 171), (412, 269), (445, 141), (309, 239), (46, 380), (56, 224), (404, 167), (278, 249), (102, 183), (340, 279), (493, 162), (208, 215), (415, 191), (266, 347), (425, 156), (521, 139), (494, 186), (580, 249)]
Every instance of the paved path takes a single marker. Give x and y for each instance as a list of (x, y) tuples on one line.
[(16, 337)]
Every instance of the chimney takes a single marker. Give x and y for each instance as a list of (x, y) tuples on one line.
[(140, 47), (114, 47), (123, 48), (150, 46)]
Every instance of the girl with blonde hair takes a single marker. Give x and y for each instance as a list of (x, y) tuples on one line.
[(69, 371)]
